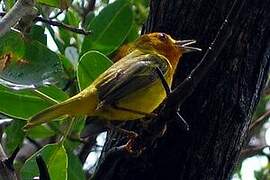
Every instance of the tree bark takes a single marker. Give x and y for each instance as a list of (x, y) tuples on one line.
[(219, 110)]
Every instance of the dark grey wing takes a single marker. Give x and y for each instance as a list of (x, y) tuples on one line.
[(139, 73)]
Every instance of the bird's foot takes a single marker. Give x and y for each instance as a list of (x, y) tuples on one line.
[(131, 146)]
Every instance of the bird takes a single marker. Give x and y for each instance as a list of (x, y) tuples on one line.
[(131, 88)]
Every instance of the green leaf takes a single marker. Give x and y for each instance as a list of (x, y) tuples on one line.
[(261, 107), (75, 169), (25, 103), (78, 124), (73, 19), (68, 66), (54, 92), (109, 28), (37, 33), (40, 132), (88, 18), (9, 4), (105, 1), (20, 104), (27, 62), (133, 34), (55, 158), (72, 144), (145, 3), (14, 140), (62, 4), (91, 65), (12, 42), (141, 11)]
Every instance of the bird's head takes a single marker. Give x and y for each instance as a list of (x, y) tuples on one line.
[(165, 45)]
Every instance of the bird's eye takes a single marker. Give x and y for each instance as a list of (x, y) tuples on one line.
[(162, 36)]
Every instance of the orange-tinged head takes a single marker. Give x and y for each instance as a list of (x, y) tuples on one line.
[(165, 45)]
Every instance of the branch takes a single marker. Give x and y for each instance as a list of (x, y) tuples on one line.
[(6, 172), (58, 24), (62, 25), (57, 14), (259, 120), (20, 9), (42, 167), (255, 124), (3, 155), (252, 151)]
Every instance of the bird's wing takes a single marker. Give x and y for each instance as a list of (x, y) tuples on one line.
[(129, 76)]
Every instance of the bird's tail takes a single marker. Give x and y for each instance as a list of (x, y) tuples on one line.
[(46, 115), (72, 106)]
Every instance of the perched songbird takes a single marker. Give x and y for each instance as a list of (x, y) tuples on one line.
[(131, 88)]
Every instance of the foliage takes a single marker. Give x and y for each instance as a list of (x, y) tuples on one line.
[(33, 77)]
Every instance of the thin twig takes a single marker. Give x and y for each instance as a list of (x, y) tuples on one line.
[(62, 25), (5, 171), (20, 9), (56, 15), (252, 151), (68, 130), (259, 120), (56, 23)]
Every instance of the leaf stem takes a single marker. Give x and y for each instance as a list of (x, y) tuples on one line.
[(45, 97), (68, 130)]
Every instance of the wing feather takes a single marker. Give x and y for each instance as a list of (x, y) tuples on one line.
[(128, 76)]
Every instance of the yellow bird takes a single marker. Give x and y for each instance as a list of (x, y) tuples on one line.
[(131, 88)]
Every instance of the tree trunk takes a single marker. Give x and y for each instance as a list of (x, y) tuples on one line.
[(219, 110)]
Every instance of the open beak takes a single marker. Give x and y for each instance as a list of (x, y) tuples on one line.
[(184, 44)]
